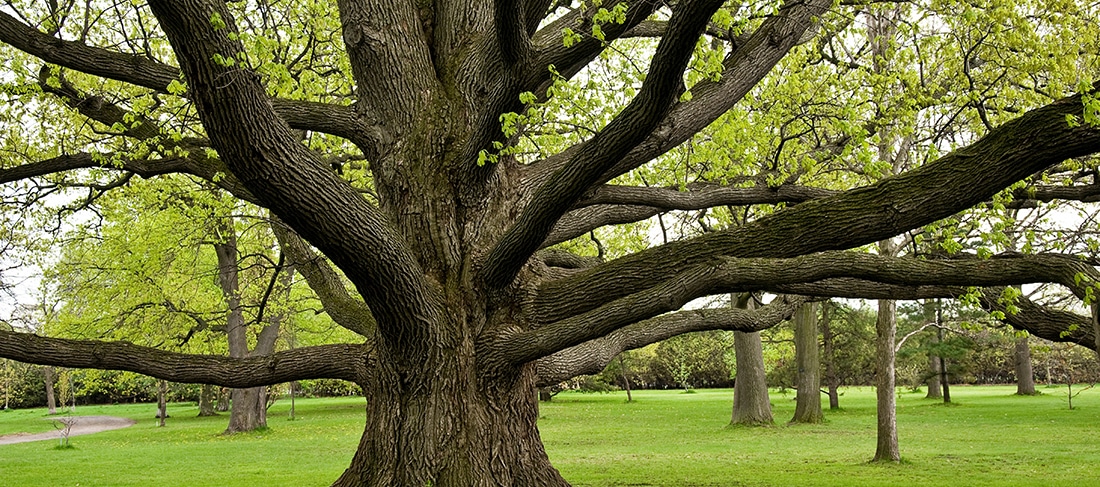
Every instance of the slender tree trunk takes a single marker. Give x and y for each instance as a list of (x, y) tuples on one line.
[(934, 389), (207, 397), (50, 375), (293, 395), (832, 381), (751, 404), (162, 402), (249, 408), (626, 378), (1025, 377), (885, 331), (944, 382), (808, 401), (545, 395)]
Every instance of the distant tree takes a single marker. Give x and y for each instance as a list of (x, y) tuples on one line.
[(1025, 378), (751, 404), (808, 359)]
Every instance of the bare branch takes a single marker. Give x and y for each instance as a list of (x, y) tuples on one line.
[(208, 169), (347, 362)]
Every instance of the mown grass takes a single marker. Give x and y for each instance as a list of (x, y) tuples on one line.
[(665, 438)]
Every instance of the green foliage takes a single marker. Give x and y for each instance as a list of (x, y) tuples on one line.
[(596, 439)]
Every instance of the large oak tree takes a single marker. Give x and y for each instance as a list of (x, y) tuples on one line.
[(462, 307)]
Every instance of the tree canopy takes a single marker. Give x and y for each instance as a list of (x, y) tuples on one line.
[(437, 172)]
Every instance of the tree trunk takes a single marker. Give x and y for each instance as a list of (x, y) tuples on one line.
[(446, 431), (207, 396), (808, 401), (293, 396), (222, 404), (1025, 377), (51, 398), (751, 405), (626, 378), (249, 410), (832, 381), (944, 382), (162, 401), (934, 389), (885, 331)]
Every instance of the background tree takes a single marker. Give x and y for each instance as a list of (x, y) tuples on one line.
[(751, 404), (808, 360)]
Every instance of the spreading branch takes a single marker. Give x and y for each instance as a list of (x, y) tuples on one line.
[(141, 71), (592, 356), (267, 157), (957, 181), (731, 275), (342, 361)]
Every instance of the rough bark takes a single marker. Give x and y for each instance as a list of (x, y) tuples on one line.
[(886, 449), (460, 321), (808, 359), (1025, 377), (751, 405)]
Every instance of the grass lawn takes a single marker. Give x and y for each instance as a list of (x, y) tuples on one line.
[(665, 438)]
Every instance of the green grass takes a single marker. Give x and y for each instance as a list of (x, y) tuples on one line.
[(666, 438)]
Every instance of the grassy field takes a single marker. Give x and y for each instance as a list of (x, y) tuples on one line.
[(665, 438)]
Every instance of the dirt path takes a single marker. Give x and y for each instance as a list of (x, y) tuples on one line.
[(82, 425)]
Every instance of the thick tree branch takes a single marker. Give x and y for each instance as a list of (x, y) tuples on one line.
[(511, 30), (702, 195), (208, 169), (959, 180), (1039, 320), (553, 199), (327, 118), (347, 362), (730, 275), (592, 356), (390, 60), (289, 180), (568, 60)]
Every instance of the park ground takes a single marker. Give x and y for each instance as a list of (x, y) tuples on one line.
[(666, 438)]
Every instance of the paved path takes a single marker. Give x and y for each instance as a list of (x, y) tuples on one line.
[(82, 425)]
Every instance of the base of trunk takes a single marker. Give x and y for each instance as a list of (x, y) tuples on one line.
[(249, 410)]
